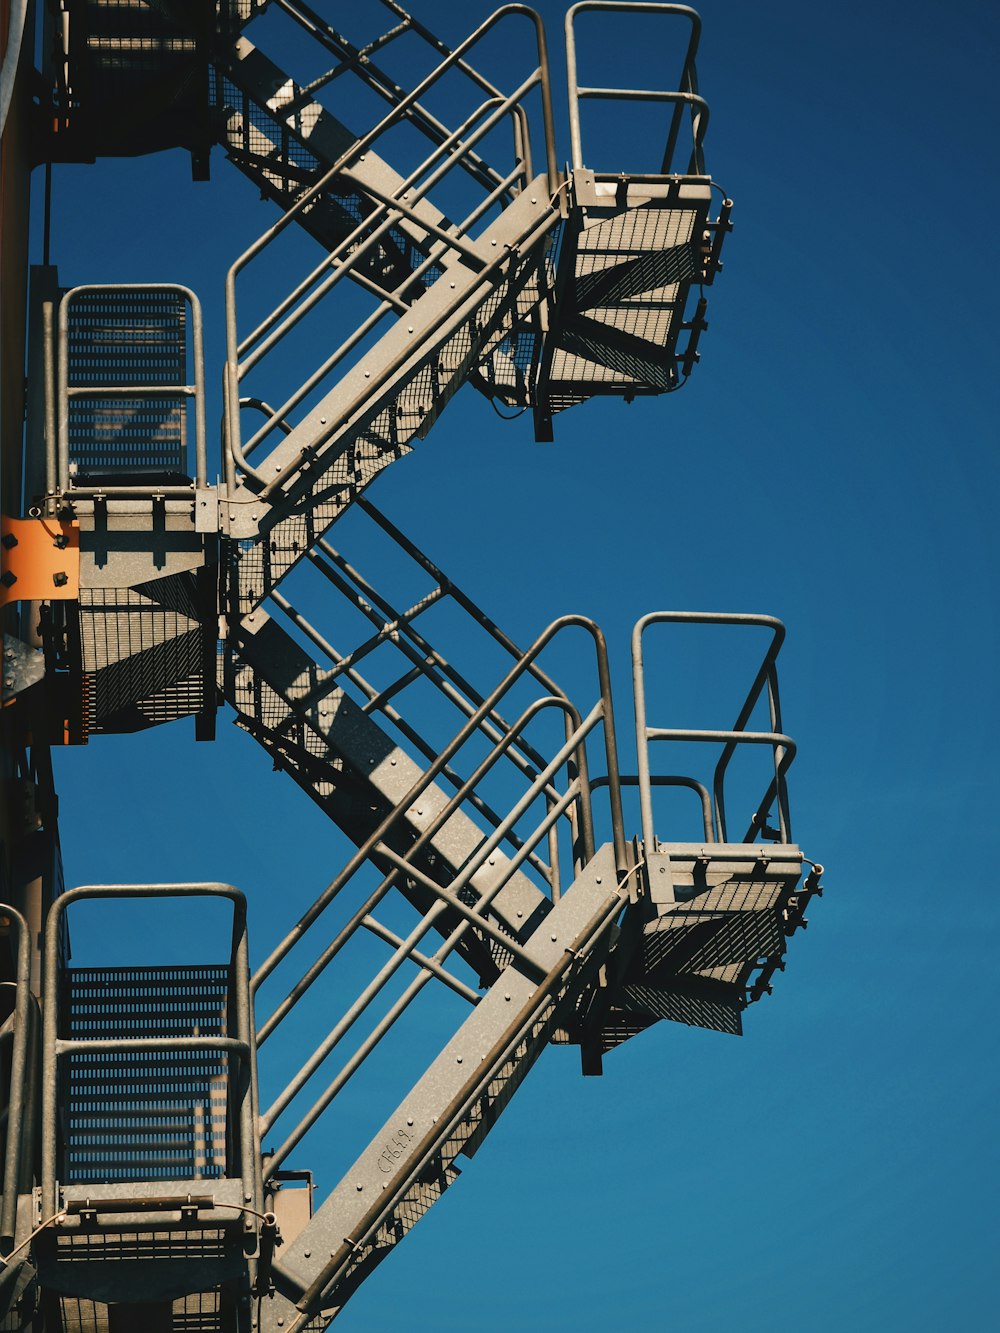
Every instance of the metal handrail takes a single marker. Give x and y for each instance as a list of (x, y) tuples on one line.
[(671, 780), (20, 1094), (426, 778), (783, 746), (540, 78), (57, 445), (55, 1048), (686, 95), (448, 900)]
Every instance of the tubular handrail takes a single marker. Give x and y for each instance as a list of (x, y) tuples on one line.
[(687, 94), (19, 1095), (449, 899), (783, 746), (671, 780), (539, 77), (242, 1045), (434, 770), (57, 447), (390, 879)]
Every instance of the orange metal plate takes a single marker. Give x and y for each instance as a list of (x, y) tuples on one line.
[(39, 560)]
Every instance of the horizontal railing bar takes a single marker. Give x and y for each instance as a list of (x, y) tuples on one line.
[(129, 390), (426, 963)]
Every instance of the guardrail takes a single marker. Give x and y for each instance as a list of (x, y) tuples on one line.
[(686, 94), (56, 1049), (782, 746)]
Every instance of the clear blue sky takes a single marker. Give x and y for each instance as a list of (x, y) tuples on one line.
[(833, 461)]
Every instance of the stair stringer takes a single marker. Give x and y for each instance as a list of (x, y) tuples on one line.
[(411, 1160)]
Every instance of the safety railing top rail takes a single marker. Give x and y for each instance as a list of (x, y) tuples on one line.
[(783, 746), (685, 95), (58, 412), (21, 1096), (242, 1046), (392, 209)]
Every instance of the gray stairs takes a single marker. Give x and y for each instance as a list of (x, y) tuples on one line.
[(412, 1159)]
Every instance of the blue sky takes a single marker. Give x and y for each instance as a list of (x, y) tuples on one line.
[(833, 461)]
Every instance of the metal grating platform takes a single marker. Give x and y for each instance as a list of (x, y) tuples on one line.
[(139, 1115)]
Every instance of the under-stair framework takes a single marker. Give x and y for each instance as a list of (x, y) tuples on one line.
[(495, 903)]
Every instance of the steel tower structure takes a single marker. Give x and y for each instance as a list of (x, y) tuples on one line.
[(151, 1176)]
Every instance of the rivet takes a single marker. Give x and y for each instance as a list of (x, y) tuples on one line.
[(307, 1254), (451, 285), (458, 1059), (506, 997), (598, 879), (492, 242), (368, 374), (409, 1120), (534, 200), (322, 421), (520, 914), (552, 938), (492, 859), (247, 1198), (359, 1187), (409, 328)]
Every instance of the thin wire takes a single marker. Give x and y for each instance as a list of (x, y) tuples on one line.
[(56, 1217)]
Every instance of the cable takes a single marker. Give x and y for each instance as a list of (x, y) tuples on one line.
[(56, 1217)]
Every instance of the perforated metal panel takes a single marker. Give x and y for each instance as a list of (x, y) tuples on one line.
[(138, 1115), (134, 338)]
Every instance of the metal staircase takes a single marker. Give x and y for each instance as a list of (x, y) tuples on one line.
[(493, 871)]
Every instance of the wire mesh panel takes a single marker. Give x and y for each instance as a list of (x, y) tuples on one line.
[(126, 339), (144, 1115)]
